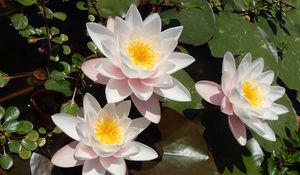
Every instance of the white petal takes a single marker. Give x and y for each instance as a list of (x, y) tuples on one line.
[(122, 27), (261, 128), (131, 134), (107, 69), (140, 123), (268, 115), (177, 92), (238, 129), (168, 46), (125, 123), (161, 80), (82, 132), (279, 109), (128, 150), (173, 32), (152, 25), (110, 24), (135, 72), (180, 60), (257, 66), (276, 92), (145, 153), (117, 90), (256, 152), (114, 165), (65, 156), (111, 111), (67, 123), (228, 70), (133, 16), (123, 108), (89, 69), (150, 109), (90, 105), (244, 67), (266, 77), (140, 90), (93, 167), (84, 152), (210, 91)]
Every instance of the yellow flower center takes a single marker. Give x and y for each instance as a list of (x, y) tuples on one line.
[(108, 131), (141, 53), (252, 93)]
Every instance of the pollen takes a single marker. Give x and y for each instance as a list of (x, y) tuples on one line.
[(108, 131), (252, 93), (141, 53)]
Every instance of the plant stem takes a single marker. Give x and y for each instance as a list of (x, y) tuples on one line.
[(74, 94)]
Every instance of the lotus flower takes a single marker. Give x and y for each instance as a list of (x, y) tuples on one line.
[(246, 96), (103, 138), (139, 59)]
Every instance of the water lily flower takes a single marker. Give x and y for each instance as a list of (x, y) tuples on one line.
[(139, 59), (103, 138), (246, 96)]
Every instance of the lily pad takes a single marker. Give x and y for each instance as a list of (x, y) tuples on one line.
[(6, 161), (19, 21), (70, 107), (62, 86), (14, 146), (11, 113)]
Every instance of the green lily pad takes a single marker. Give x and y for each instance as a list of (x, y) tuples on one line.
[(32, 135), (29, 145), (24, 154), (27, 2), (14, 146), (62, 86), (19, 21), (11, 113), (11, 126), (25, 126), (6, 161), (69, 107), (60, 15)]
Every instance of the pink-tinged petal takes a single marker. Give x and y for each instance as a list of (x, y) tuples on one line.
[(173, 32), (128, 150), (110, 24), (65, 156), (152, 25), (98, 33), (107, 69), (84, 152), (180, 60), (150, 109), (67, 123), (228, 70), (123, 108), (226, 106), (117, 90), (90, 105), (140, 90), (89, 69), (266, 77), (145, 153), (210, 91), (140, 123), (276, 92), (161, 80), (133, 17), (93, 167), (279, 109), (176, 92), (238, 129), (114, 165)]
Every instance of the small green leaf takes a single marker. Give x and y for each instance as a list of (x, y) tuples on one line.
[(4, 79), (77, 59), (69, 107), (29, 145), (2, 112), (19, 21), (14, 146), (27, 2), (56, 130), (66, 50), (49, 13), (24, 154), (60, 15), (54, 30), (41, 141), (67, 67), (62, 86), (6, 161), (11, 113), (64, 37), (57, 75), (11, 126), (2, 139), (54, 58), (32, 135), (81, 5), (91, 45), (57, 40), (25, 126), (91, 17), (42, 130)]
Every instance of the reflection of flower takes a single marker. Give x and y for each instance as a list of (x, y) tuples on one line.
[(103, 138), (246, 95), (139, 61)]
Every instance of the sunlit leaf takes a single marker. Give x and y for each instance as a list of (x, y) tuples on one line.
[(69, 107), (2, 112), (60, 15), (62, 86), (81, 5), (6, 161), (11, 126), (25, 126), (11, 113), (32, 135), (4, 79), (14, 146), (27, 2), (24, 154), (29, 145)]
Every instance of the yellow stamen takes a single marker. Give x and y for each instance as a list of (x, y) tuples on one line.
[(141, 53), (252, 93), (108, 131)]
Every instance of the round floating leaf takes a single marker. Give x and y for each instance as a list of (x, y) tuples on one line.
[(54, 30), (49, 13), (198, 31), (81, 5), (239, 36), (60, 15), (6, 161), (11, 126), (27, 2), (42, 130), (57, 75), (2, 112), (62, 86), (91, 18), (56, 130), (14, 146), (11, 113), (67, 67), (24, 154), (189, 83), (25, 126), (41, 141), (19, 21), (180, 145), (29, 145), (91, 45), (32, 135), (64, 37), (66, 50), (4, 79), (2, 140), (69, 107), (77, 59)]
